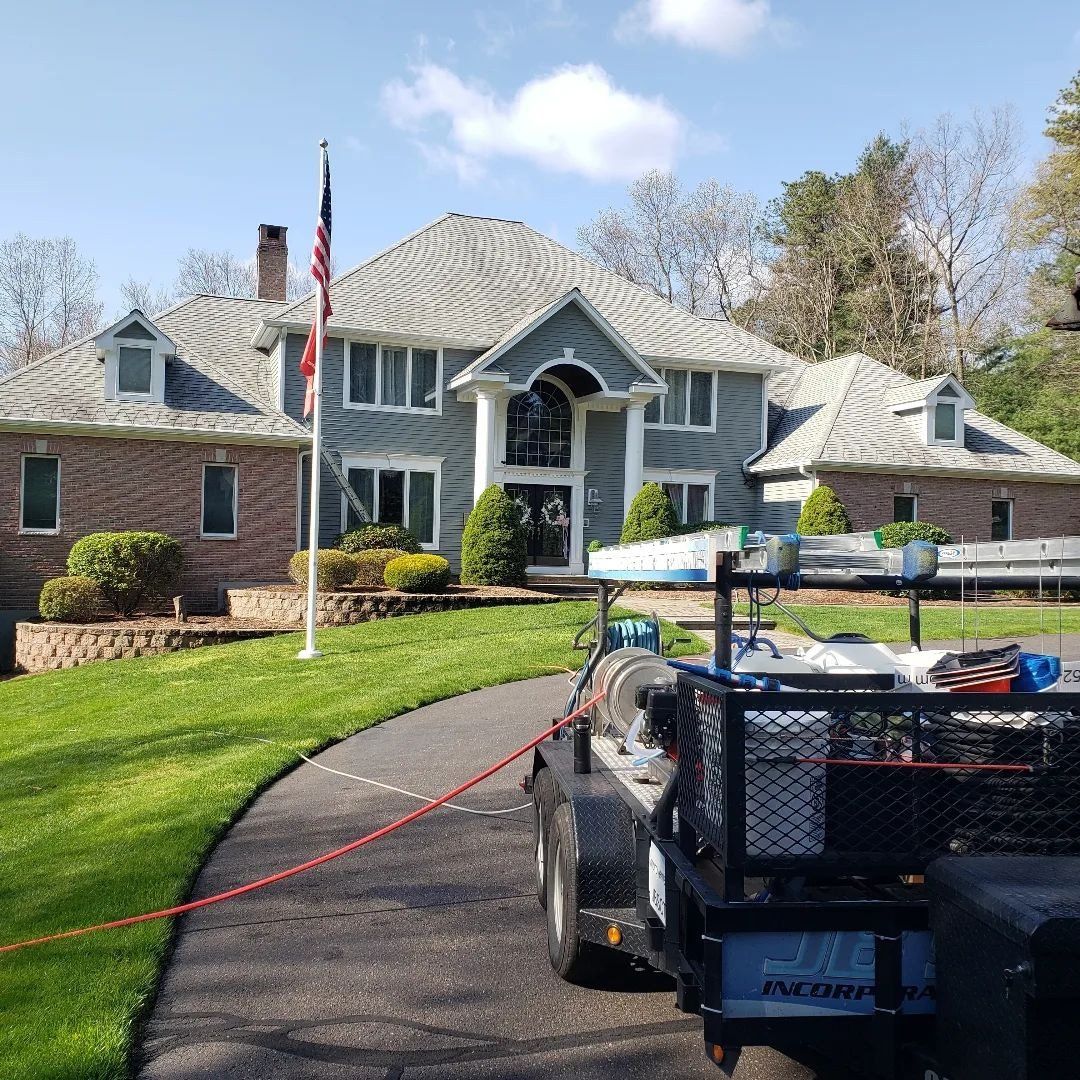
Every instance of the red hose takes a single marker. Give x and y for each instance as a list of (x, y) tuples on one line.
[(251, 886)]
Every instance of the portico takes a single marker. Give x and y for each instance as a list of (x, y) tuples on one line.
[(534, 394)]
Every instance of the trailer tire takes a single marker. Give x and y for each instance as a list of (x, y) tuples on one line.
[(566, 950), (543, 811)]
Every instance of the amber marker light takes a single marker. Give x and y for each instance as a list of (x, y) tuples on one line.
[(614, 935)]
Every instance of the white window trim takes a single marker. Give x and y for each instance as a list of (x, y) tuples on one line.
[(914, 502), (684, 477), (374, 406), (663, 425), (23, 530), (235, 497), (146, 346), (407, 464), (1012, 507)]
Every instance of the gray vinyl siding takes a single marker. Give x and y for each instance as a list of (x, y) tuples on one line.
[(450, 436), (605, 454), (738, 435), (570, 328), (782, 498)]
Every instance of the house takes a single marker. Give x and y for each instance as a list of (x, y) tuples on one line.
[(476, 351)]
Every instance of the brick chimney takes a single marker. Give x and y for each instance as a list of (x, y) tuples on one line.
[(272, 262)]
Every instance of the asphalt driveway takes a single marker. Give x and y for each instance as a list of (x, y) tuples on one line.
[(421, 957)]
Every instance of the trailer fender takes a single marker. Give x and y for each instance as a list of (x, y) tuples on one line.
[(604, 831)]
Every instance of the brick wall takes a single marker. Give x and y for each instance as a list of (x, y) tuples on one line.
[(116, 484), (960, 506)]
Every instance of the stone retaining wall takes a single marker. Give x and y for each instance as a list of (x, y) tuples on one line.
[(286, 607), (48, 646)]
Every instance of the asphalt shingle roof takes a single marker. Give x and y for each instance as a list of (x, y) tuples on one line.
[(838, 413), (467, 280), (212, 385)]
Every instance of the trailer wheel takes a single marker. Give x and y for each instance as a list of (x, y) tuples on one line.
[(543, 811), (565, 947)]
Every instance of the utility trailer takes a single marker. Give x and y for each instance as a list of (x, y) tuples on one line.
[(784, 845)]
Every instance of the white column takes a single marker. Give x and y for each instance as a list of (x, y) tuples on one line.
[(635, 452), (484, 465)]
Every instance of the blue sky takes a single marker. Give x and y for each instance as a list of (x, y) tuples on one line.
[(141, 130)]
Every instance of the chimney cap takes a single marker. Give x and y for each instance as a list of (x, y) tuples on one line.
[(272, 232)]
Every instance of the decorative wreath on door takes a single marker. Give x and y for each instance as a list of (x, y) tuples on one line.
[(553, 512)]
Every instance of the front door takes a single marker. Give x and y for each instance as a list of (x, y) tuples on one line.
[(545, 509)]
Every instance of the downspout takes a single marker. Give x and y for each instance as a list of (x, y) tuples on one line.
[(763, 441)]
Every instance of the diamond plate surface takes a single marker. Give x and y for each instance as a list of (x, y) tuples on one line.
[(620, 768)]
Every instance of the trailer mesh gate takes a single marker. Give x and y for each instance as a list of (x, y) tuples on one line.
[(858, 783)]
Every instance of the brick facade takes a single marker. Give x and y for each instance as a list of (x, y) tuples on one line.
[(115, 484), (959, 505)]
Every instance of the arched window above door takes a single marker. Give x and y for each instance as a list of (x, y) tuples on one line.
[(539, 427)]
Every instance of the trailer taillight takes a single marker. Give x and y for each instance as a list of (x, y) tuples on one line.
[(715, 1053), (614, 935)]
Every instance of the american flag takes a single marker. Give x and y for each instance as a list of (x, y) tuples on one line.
[(320, 271)]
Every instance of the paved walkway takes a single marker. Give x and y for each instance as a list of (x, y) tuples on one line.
[(422, 957)]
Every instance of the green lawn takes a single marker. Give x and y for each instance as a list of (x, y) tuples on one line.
[(113, 788), (938, 623)]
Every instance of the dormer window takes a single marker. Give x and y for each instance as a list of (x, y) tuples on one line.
[(935, 407), (134, 366), (134, 353)]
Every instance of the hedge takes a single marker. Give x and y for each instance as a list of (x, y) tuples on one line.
[(70, 599), (651, 516), (127, 565), (494, 545), (379, 538), (823, 514), (333, 569), (898, 533), (370, 565), (418, 574)]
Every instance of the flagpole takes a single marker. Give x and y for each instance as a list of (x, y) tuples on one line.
[(309, 652)]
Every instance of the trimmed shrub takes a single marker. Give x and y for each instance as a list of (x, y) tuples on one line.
[(898, 533), (418, 573), (596, 545), (651, 516), (127, 565), (70, 599), (370, 565), (333, 569), (823, 514), (379, 538), (494, 546)]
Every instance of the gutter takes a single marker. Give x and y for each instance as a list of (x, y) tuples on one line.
[(744, 466), (136, 431)]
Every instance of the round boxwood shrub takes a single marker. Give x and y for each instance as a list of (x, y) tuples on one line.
[(379, 538), (127, 565), (823, 514), (370, 565), (596, 545), (494, 545), (70, 599), (898, 533), (333, 569), (417, 573), (651, 516)]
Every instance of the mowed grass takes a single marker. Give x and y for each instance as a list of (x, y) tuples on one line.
[(938, 623), (114, 788)]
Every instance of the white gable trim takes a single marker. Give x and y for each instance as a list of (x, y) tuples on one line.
[(108, 337), (574, 296)]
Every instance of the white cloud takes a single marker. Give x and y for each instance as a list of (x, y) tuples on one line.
[(722, 26), (574, 120)]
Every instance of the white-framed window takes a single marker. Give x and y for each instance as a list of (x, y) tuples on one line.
[(134, 372), (395, 491), (1001, 519), (905, 508), (690, 402), (945, 417), (219, 502), (405, 378), (39, 494), (690, 493)]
